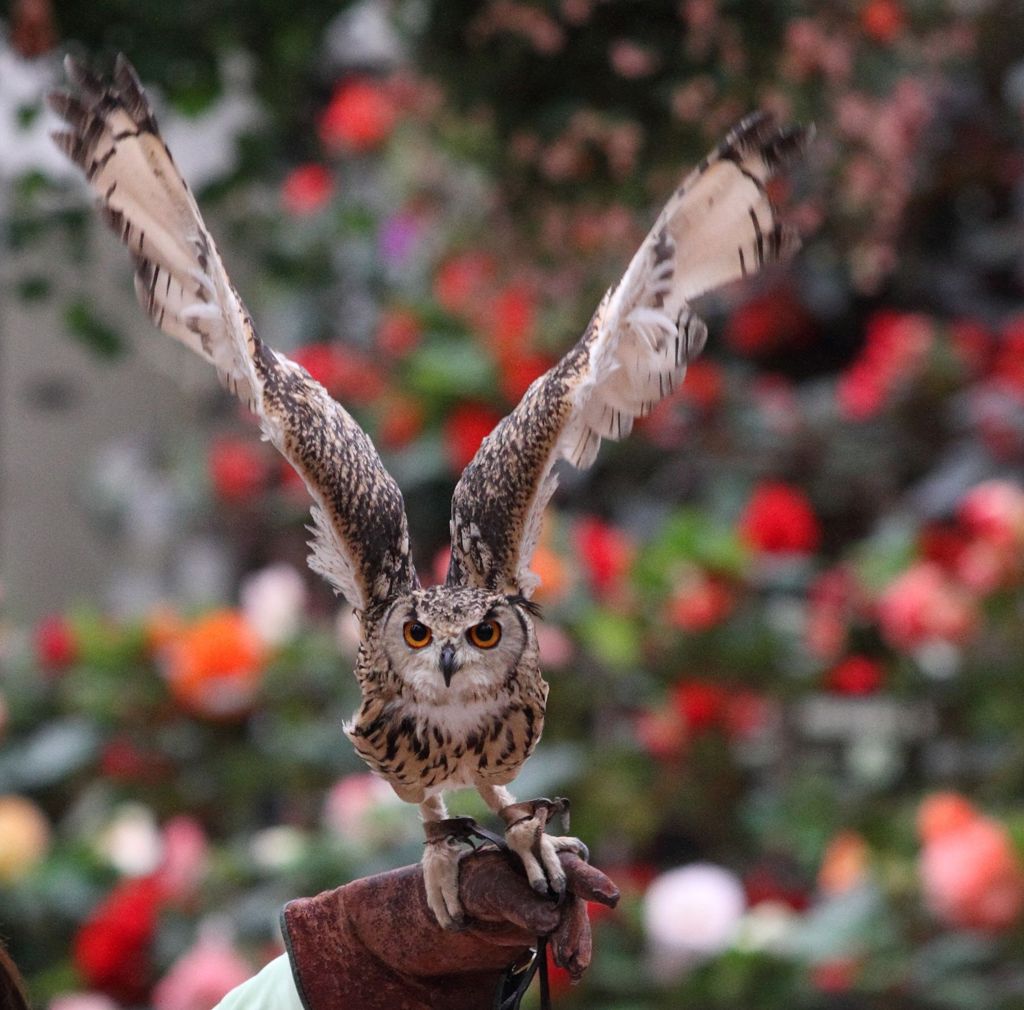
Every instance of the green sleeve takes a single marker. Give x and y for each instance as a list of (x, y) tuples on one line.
[(272, 989)]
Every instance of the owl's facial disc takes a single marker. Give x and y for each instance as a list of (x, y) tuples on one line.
[(449, 645)]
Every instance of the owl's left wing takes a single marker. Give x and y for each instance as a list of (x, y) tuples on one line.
[(719, 225), (361, 536)]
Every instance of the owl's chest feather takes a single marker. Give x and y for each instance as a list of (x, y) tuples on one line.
[(420, 747)]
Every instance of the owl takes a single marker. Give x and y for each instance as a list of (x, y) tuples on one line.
[(452, 691)]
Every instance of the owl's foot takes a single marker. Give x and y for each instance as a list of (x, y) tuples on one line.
[(524, 834), (441, 854)]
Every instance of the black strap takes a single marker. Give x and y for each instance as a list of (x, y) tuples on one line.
[(516, 983)]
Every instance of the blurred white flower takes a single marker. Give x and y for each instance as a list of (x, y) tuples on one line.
[(131, 842), (362, 36), (25, 122), (273, 600), (83, 1001), (276, 848), (206, 146), (691, 913), (766, 928)]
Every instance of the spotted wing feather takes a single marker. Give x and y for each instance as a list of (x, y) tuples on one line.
[(718, 226), (360, 533)]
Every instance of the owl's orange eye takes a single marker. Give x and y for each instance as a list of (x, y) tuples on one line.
[(485, 635), (416, 635)]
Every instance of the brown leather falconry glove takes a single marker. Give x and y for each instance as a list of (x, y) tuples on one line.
[(375, 945)]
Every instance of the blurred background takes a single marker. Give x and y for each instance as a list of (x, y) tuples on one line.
[(783, 621)]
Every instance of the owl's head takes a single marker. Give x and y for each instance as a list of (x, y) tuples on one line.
[(451, 643)]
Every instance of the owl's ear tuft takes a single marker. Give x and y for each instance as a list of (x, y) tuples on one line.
[(518, 600)]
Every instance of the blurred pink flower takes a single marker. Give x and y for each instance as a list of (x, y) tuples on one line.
[(993, 511), (924, 605), (201, 977), (186, 852), (661, 733), (971, 875), (631, 60), (352, 804), (606, 552), (554, 645)]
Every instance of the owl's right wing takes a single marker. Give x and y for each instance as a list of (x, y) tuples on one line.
[(361, 536), (718, 226)]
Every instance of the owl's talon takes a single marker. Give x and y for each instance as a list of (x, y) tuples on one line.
[(525, 836), (441, 856)]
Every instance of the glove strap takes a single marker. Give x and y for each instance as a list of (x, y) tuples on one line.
[(516, 983)]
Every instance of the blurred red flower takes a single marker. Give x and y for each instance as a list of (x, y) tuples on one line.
[(778, 519), (359, 117), (765, 882), (511, 319), (55, 644), (461, 280), (856, 675), (343, 371), (703, 385), (972, 344), (238, 469), (306, 189), (700, 602), (398, 332), (517, 371), (111, 949), (769, 322), (941, 543), (895, 344), (1009, 363), (122, 760), (605, 551), (401, 420), (465, 428), (701, 703), (834, 976), (882, 20)]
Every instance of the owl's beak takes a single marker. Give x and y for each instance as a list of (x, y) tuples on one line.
[(447, 663)]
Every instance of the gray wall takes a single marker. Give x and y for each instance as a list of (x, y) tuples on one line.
[(60, 406)]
